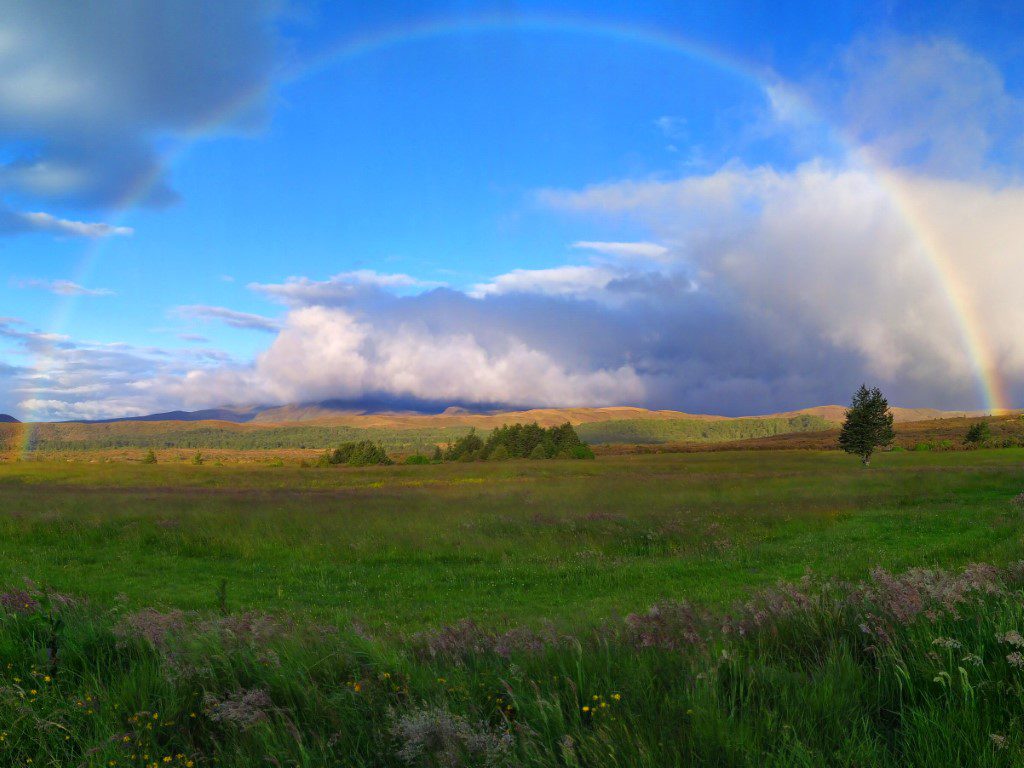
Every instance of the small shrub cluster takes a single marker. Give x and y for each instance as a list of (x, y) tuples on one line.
[(363, 453), (520, 441)]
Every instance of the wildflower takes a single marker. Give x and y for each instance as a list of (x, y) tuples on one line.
[(617, 696), (998, 740), (1016, 659), (586, 709)]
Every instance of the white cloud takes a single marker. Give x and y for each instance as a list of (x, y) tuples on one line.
[(14, 223), (847, 257), (326, 353), (556, 281), (65, 288), (340, 288), (637, 250), (230, 317)]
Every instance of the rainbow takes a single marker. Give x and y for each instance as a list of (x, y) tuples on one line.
[(975, 342)]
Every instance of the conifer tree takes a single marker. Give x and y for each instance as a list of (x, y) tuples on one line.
[(868, 424)]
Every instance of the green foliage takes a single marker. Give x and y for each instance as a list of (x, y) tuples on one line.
[(868, 424), (978, 433), (197, 458), (417, 458), (466, 448), (149, 458), (532, 441), (538, 452), (360, 454), (658, 431)]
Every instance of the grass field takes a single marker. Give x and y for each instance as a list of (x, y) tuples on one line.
[(511, 542), (342, 637)]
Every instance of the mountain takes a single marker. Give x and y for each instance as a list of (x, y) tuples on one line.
[(335, 413), (5, 419), (236, 415)]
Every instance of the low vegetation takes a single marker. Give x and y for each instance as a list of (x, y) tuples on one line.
[(364, 453), (920, 669)]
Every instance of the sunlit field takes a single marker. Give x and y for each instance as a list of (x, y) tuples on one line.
[(408, 547), (518, 613)]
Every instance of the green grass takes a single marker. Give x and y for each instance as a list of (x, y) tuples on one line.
[(406, 547), (355, 566), (656, 431)]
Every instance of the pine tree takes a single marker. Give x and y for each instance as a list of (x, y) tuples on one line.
[(868, 424)]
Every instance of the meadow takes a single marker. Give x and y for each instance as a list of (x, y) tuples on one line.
[(624, 611), (415, 546)]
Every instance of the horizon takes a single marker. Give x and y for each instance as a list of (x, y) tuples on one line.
[(735, 210)]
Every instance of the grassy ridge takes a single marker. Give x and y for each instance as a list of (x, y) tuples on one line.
[(648, 431), (409, 547), (56, 438), (924, 669)]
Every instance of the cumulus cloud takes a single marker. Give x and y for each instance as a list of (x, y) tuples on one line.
[(87, 89), (65, 288), (328, 353), (847, 260), (230, 317)]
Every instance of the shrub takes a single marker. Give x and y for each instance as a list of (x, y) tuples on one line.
[(978, 433), (417, 458), (364, 453), (150, 457), (198, 459), (538, 452), (465, 448)]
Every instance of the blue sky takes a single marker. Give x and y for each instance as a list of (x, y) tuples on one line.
[(732, 208)]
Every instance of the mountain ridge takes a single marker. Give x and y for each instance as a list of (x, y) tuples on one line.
[(330, 415)]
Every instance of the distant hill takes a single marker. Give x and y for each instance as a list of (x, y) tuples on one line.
[(238, 416), (5, 419), (836, 413), (338, 414)]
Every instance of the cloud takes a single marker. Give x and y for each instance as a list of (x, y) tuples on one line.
[(556, 281), (928, 104), (637, 250), (230, 317), (341, 288), (327, 353), (16, 223), (193, 337), (65, 288), (88, 89), (847, 261)]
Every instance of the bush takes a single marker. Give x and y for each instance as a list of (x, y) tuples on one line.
[(978, 433), (361, 454), (417, 458), (198, 459), (465, 448), (150, 457), (538, 452), (499, 454)]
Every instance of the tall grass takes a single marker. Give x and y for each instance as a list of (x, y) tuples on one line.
[(920, 669)]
